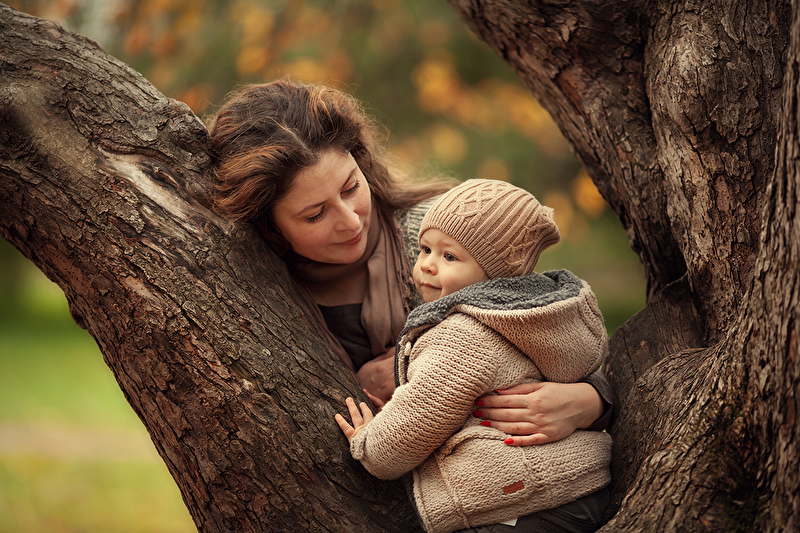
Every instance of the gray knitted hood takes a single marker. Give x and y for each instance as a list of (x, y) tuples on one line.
[(547, 316), (501, 294)]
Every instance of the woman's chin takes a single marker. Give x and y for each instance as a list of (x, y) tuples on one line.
[(349, 255)]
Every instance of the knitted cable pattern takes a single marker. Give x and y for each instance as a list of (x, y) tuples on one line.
[(505, 228)]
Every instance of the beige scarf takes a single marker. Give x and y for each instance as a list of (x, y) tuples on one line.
[(387, 299)]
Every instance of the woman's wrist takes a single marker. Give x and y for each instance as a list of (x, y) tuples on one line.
[(592, 407)]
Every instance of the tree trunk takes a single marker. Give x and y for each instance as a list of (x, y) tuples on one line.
[(684, 114), (102, 185), (675, 110)]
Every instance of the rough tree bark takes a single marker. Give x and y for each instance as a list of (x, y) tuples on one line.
[(102, 185), (675, 109)]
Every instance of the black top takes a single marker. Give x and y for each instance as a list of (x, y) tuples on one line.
[(344, 321)]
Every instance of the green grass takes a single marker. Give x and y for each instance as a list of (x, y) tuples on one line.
[(43, 494), (73, 455), (53, 373)]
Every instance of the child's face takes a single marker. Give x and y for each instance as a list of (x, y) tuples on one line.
[(444, 266)]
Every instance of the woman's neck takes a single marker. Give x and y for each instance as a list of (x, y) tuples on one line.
[(349, 289)]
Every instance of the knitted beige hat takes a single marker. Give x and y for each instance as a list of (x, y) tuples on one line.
[(504, 227)]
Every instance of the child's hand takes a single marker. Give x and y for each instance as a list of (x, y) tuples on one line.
[(360, 419)]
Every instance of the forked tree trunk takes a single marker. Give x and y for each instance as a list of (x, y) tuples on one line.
[(674, 109)]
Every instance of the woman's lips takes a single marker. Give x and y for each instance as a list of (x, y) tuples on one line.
[(354, 240)]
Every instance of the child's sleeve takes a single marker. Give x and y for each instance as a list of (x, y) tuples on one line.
[(443, 382)]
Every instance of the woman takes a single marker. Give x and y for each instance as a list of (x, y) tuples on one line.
[(303, 164)]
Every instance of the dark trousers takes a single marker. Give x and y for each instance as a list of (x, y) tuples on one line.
[(584, 515)]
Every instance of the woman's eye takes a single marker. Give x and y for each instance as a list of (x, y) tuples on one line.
[(353, 189), (315, 217)]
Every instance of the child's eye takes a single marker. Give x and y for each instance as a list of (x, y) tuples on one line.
[(450, 257), (425, 250)]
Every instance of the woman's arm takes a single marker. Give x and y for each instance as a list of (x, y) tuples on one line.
[(537, 413)]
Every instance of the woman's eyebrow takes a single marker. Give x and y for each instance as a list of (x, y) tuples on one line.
[(311, 207)]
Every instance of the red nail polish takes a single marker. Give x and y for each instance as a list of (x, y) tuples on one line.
[(509, 441), (486, 423), (478, 414), (479, 403)]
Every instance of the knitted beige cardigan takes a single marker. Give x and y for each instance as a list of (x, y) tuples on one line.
[(491, 335)]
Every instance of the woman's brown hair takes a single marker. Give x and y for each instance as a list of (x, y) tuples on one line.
[(265, 134)]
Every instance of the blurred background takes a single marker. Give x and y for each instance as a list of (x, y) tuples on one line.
[(73, 455)]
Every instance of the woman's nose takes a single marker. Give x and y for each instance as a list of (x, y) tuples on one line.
[(349, 220)]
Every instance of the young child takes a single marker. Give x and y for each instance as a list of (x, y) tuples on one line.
[(489, 322)]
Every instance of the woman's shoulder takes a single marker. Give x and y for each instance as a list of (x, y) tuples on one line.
[(409, 222)]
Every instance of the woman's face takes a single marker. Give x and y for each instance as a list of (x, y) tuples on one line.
[(327, 213)]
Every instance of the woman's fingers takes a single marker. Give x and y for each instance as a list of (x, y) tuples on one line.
[(522, 388), (525, 433), (540, 412), (532, 413), (515, 401), (514, 397), (528, 440), (504, 414), (377, 376), (377, 402), (535, 430), (512, 428)]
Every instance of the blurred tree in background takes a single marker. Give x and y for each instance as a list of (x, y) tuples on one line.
[(444, 95), (448, 102)]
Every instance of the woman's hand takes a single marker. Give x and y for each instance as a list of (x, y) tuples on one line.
[(377, 402), (377, 377), (360, 419), (536, 413)]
